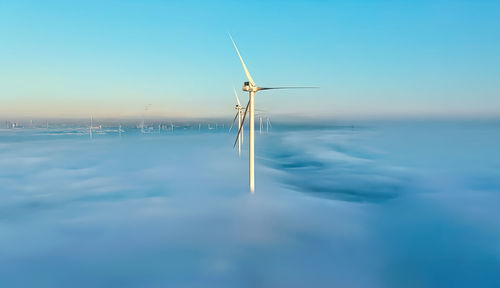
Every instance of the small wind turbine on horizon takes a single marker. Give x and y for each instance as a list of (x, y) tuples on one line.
[(91, 124), (268, 124), (146, 108), (260, 125), (252, 89), (261, 121), (92, 127)]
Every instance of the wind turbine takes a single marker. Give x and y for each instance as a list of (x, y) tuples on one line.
[(146, 108), (268, 124), (239, 111), (260, 128), (252, 89), (91, 124)]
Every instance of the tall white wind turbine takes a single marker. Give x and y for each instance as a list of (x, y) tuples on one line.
[(252, 89)]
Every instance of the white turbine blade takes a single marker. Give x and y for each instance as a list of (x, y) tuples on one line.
[(236, 94), (243, 63), (234, 120)]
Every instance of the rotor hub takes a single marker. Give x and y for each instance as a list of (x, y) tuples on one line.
[(248, 87)]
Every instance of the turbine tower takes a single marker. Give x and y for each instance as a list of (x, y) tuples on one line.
[(252, 89)]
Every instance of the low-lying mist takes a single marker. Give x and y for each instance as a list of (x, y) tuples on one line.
[(373, 204)]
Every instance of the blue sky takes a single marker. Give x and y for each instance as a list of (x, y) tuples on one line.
[(111, 58)]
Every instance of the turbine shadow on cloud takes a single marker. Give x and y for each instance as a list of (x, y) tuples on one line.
[(333, 166)]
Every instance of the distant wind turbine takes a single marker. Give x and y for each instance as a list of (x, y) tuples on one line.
[(260, 126), (146, 108), (252, 88), (90, 128), (239, 111)]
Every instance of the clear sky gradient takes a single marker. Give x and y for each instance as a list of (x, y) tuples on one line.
[(111, 58)]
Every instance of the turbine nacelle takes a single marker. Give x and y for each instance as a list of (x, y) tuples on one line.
[(248, 87)]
